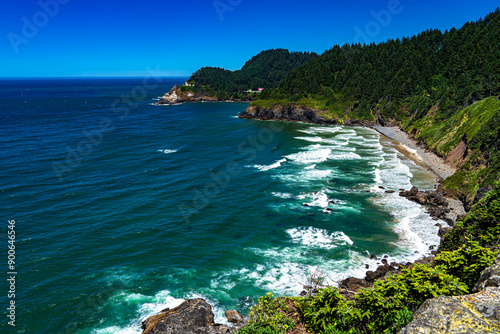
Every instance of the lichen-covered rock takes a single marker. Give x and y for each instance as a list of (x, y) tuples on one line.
[(234, 317), (470, 314), (194, 316), (490, 277)]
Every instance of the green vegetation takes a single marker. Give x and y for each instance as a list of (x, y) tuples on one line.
[(387, 307), (451, 69), (265, 70), (442, 87), (478, 127), (271, 316), (480, 225)]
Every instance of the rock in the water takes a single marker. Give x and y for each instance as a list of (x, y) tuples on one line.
[(234, 317), (470, 314), (194, 316), (390, 191), (490, 277)]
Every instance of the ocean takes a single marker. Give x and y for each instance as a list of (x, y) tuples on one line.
[(123, 208)]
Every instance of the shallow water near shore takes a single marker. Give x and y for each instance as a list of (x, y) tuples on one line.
[(188, 201)]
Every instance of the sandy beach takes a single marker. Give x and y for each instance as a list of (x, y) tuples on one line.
[(426, 159)]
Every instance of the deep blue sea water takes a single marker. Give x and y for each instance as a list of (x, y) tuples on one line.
[(123, 208)]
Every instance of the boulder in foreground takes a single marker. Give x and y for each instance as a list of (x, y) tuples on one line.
[(470, 314), (194, 316)]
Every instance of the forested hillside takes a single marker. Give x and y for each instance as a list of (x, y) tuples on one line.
[(265, 70), (425, 84), (452, 69)]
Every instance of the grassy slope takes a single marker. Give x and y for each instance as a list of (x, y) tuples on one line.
[(479, 125)]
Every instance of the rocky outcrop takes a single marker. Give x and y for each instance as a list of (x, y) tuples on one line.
[(285, 113), (490, 277), (194, 316), (469, 314), (350, 286), (437, 205), (234, 317), (176, 95), (294, 113)]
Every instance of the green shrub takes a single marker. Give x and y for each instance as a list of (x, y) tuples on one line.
[(386, 307), (481, 224), (328, 310), (270, 316), (259, 328), (467, 262)]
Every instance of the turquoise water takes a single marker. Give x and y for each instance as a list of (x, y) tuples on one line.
[(165, 203)]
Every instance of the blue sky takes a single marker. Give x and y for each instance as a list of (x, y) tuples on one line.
[(175, 38)]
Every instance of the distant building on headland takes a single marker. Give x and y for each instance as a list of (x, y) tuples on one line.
[(260, 90), (188, 84)]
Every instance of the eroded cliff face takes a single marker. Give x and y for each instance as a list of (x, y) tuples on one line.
[(295, 113), (284, 113)]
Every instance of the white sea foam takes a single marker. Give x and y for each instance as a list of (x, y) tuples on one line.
[(282, 195), (288, 269), (316, 173), (335, 142), (311, 139), (151, 305), (314, 237), (344, 137), (310, 157), (264, 168), (414, 227), (344, 156), (320, 130), (146, 307), (319, 199), (168, 151), (285, 269)]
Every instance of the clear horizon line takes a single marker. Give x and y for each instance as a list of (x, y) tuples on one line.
[(93, 77)]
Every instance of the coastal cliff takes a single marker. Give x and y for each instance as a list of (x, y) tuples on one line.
[(296, 113)]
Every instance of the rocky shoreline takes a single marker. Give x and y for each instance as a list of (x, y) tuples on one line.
[(438, 206)]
